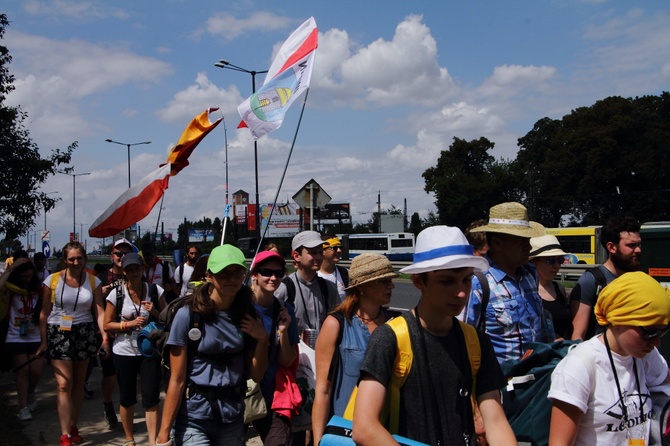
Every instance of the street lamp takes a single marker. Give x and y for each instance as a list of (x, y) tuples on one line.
[(129, 146), (225, 64), (74, 197)]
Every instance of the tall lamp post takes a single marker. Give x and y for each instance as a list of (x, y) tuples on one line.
[(129, 146), (225, 64), (74, 198)]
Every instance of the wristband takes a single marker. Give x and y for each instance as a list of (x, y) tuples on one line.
[(121, 327), (105, 340)]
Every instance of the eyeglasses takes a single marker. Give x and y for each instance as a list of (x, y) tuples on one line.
[(649, 334), (335, 248), (119, 253), (267, 272), (554, 260)]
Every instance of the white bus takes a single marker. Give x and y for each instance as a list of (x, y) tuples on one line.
[(395, 246)]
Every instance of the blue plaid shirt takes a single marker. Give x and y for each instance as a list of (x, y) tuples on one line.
[(514, 313)]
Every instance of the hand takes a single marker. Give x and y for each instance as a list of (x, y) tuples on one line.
[(148, 305), (283, 320), (41, 349), (139, 321), (254, 328)]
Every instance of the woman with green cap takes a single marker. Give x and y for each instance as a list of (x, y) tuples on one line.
[(204, 401), (600, 390)]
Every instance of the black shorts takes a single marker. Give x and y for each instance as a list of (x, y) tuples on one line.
[(77, 344), (149, 369)]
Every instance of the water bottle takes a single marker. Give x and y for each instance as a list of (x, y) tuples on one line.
[(145, 314)]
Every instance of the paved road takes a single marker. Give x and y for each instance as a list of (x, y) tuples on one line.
[(44, 428)]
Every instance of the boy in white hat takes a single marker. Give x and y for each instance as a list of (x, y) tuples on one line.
[(435, 405)]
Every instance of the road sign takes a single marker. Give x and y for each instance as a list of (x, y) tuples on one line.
[(46, 249), (311, 195), (46, 235)]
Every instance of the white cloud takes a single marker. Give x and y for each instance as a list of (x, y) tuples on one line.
[(79, 10), (229, 27), (508, 80)]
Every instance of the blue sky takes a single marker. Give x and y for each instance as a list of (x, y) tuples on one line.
[(393, 84)]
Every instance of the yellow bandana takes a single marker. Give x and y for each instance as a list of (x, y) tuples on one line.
[(634, 299), (333, 241)]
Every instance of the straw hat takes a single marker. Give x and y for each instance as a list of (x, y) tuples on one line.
[(545, 246), (443, 247), (368, 267), (511, 218)]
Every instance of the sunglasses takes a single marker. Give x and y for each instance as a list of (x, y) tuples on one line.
[(554, 260), (119, 253), (267, 272), (649, 334), (335, 248)]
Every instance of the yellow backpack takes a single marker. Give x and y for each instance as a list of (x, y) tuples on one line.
[(54, 284), (403, 365)]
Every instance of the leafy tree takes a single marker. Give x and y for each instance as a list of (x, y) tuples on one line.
[(467, 181), (601, 161), (24, 169)]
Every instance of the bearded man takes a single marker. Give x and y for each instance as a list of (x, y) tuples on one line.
[(621, 238)]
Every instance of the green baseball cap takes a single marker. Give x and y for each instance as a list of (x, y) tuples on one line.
[(223, 256)]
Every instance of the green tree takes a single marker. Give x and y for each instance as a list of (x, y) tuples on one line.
[(467, 181), (24, 169), (609, 159)]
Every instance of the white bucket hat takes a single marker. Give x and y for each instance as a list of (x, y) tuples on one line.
[(545, 246), (443, 247)]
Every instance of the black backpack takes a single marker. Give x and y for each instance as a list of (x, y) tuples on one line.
[(159, 335), (118, 284)]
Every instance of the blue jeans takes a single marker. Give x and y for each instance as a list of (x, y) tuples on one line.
[(222, 435)]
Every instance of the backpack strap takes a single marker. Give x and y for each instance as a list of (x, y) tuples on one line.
[(335, 361), (323, 286), (486, 294), (474, 351), (290, 289), (91, 281), (53, 285), (119, 301), (601, 280), (181, 278)]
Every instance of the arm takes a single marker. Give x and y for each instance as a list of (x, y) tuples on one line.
[(565, 420), (498, 430), (325, 348), (174, 393), (99, 302), (581, 313), (8, 271), (287, 352), (44, 315), (258, 361), (368, 430)]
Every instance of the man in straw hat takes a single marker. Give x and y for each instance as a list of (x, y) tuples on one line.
[(621, 238), (513, 314), (435, 404)]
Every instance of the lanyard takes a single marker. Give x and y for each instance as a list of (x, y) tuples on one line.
[(137, 308), (62, 290), (616, 380)]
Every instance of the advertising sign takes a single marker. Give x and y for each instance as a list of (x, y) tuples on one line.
[(285, 221), (200, 235)]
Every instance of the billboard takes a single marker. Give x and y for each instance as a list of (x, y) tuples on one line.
[(285, 221), (331, 214), (199, 235)]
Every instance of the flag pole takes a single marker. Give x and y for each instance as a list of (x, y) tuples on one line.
[(283, 175), (160, 209), (225, 223)]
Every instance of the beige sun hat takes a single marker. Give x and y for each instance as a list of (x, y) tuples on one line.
[(368, 267), (545, 246), (511, 218)]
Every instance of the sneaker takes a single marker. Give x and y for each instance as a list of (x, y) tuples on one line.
[(25, 415), (65, 440), (110, 416), (88, 392), (32, 402), (75, 438)]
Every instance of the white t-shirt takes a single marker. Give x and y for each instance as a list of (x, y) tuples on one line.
[(336, 278), (184, 277), (72, 301), (21, 308), (154, 274), (125, 342), (592, 389)]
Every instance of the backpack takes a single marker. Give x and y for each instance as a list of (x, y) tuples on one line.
[(290, 290), (153, 296), (160, 333), (525, 401), (601, 280), (403, 365)]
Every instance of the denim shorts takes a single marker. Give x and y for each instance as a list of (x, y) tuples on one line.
[(218, 435)]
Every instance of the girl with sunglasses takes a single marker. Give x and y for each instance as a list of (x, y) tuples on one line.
[(279, 321), (601, 390), (345, 333), (547, 256)]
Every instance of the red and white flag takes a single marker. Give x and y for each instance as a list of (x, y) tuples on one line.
[(133, 205), (287, 78)]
